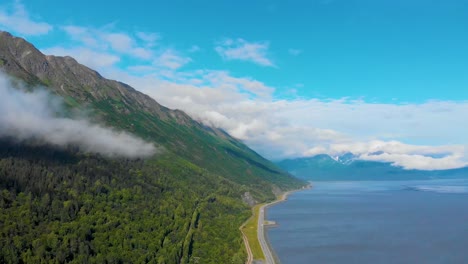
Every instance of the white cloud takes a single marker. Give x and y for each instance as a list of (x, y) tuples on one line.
[(84, 36), (417, 161), (296, 128), (394, 147), (85, 56), (295, 52), (17, 19), (171, 59), (405, 155), (102, 47), (244, 85), (194, 48), (240, 49), (142, 53), (149, 38), (120, 43)]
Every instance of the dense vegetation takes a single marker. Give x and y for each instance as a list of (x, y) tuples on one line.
[(66, 206)]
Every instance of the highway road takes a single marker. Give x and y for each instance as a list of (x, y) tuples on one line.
[(269, 259), (247, 246)]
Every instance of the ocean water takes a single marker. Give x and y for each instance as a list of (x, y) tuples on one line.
[(373, 222)]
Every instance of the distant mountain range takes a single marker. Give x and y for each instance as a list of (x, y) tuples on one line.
[(348, 167)]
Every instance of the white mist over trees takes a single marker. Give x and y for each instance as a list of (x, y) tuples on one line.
[(38, 116)]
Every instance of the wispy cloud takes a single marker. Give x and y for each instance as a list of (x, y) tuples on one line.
[(171, 59), (149, 38), (295, 52), (194, 48), (118, 41), (240, 49), (15, 18), (86, 56), (103, 48), (106, 40)]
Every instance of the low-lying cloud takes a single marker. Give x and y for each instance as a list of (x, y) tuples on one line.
[(39, 116), (404, 155), (427, 136)]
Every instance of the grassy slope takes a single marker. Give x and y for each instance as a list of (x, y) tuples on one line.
[(221, 155), (250, 231)]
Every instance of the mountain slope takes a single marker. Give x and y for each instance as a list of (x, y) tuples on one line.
[(65, 205), (121, 106), (324, 167)]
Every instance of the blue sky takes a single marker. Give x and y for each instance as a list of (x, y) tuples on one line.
[(383, 50), (291, 78)]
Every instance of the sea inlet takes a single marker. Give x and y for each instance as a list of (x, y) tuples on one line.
[(373, 222)]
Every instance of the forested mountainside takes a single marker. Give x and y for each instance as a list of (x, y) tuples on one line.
[(183, 205)]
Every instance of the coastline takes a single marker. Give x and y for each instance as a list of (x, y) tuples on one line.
[(263, 223)]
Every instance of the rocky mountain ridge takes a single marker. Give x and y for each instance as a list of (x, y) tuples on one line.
[(120, 105), (66, 77)]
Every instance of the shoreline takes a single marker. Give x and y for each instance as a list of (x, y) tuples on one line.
[(270, 256)]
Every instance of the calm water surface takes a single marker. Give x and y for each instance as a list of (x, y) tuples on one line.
[(373, 222)]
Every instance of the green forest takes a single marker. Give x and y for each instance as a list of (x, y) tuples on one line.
[(60, 206)]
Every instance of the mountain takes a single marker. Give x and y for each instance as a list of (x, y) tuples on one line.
[(346, 158), (348, 167), (64, 204), (119, 105)]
